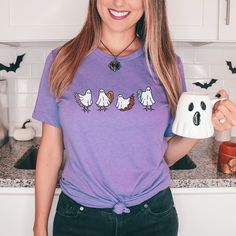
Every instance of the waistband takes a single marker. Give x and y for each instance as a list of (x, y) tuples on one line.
[(120, 207)]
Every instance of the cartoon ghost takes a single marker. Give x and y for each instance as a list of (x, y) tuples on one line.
[(146, 99), (84, 101), (125, 104), (104, 100), (193, 116)]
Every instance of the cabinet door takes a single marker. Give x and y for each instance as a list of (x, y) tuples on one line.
[(206, 211), (17, 211), (227, 30), (33, 20), (193, 20)]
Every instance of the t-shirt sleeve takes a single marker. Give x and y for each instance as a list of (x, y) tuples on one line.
[(46, 107), (168, 131)]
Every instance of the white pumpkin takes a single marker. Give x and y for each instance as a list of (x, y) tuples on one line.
[(24, 133)]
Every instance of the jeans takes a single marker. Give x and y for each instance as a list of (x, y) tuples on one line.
[(154, 217)]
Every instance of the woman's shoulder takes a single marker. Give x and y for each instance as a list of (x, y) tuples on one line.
[(52, 54), (178, 59)]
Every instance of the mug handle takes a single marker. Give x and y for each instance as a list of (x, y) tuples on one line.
[(215, 100)]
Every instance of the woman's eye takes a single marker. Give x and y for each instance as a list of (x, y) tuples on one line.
[(190, 107), (203, 106)]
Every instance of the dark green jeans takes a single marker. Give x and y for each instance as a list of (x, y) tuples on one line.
[(155, 217)]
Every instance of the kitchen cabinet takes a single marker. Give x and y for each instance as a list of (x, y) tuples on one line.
[(33, 20), (17, 211), (206, 211), (60, 20), (202, 20), (193, 19), (202, 211), (227, 22)]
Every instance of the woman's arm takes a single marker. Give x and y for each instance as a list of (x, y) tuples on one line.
[(49, 159), (178, 147)]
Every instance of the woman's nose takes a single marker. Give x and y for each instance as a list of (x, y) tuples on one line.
[(119, 3)]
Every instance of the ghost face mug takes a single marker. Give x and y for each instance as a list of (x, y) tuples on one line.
[(194, 116)]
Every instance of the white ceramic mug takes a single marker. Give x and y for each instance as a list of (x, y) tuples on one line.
[(194, 115)]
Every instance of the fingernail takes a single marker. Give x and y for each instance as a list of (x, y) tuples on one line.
[(218, 95)]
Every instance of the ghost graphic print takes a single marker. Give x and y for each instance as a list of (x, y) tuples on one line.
[(125, 104), (84, 101), (104, 100), (146, 98)]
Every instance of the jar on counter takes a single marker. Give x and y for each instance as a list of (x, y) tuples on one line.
[(227, 157)]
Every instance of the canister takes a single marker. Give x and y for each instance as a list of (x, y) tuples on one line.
[(227, 157)]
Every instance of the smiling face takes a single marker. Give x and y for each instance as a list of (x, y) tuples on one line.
[(120, 15)]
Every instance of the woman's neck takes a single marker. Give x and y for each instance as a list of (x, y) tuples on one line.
[(116, 42)]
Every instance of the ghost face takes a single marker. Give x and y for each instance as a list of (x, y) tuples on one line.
[(193, 116), (120, 15), (197, 114)]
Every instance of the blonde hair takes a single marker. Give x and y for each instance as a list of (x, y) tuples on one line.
[(152, 29)]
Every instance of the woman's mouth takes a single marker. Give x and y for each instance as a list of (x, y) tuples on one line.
[(118, 15)]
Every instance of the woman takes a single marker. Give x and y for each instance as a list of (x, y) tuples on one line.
[(101, 99)]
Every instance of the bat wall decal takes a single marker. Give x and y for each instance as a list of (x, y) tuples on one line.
[(205, 85), (13, 66), (231, 68)]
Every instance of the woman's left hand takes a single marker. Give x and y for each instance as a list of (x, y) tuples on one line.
[(224, 113)]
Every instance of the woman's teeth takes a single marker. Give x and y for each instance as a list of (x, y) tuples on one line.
[(119, 14)]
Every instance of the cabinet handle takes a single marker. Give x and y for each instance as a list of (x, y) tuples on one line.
[(227, 12)]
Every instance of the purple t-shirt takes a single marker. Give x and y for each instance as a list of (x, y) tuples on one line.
[(114, 128)]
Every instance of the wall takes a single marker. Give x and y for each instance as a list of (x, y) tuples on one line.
[(201, 63)]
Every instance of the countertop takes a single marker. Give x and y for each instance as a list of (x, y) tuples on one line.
[(203, 154)]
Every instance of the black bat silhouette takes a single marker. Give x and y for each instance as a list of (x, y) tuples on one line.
[(231, 68), (13, 66), (205, 85)]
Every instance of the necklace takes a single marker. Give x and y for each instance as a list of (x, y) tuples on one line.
[(115, 65)]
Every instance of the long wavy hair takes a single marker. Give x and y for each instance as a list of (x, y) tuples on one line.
[(152, 29)]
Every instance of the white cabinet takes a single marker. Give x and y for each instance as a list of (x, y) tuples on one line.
[(206, 211), (61, 20), (193, 19), (202, 211), (17, 211), (202, 20), (33, 20), (227, 22)]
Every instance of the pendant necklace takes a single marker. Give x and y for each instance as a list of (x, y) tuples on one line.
[(115, 65)]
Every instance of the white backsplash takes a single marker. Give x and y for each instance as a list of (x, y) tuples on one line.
[(201, 63)]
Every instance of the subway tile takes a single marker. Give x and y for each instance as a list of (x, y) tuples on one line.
[(230, 55), (210, 56), (187, 54), (34, 99), (196, 71), (32, 55), (20, 100), (7, 55), (19, 114), (37, 70), (34, 85), (221, 71), (230, 85), (22, 85), (24, 71)]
